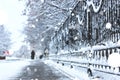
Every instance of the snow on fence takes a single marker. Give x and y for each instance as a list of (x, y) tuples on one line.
[(97, 67)]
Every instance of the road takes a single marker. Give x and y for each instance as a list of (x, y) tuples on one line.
[(37, 70)]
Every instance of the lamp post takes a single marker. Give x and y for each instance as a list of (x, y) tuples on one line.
[(115, 33), (108, 25)]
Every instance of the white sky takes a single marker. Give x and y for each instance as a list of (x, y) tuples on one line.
[(13, 19)]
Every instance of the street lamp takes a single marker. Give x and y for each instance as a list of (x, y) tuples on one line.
[(108, 25)]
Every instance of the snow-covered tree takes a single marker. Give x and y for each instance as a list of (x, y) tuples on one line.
[(5, 40), (22, 52), (43, 18), (45, 15)]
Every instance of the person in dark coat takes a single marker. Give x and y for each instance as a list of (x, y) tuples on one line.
[(41, 56), (32, 54)]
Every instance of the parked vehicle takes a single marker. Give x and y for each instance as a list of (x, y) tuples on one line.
[(3, 54), (2, 57)]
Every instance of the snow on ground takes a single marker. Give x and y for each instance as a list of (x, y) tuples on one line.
[(11, 67), (79, 73), (70, 72)]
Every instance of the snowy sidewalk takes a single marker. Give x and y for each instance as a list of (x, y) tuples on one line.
[(37, 70), (22, 69), (74, 74)]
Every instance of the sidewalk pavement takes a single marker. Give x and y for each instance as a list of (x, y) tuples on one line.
[(37, 70)]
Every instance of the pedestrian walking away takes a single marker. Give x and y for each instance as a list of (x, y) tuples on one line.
[(32, 54)]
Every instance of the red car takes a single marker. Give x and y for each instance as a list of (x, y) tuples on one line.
[(3, 55)]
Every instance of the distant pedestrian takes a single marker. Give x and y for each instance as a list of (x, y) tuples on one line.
[(41, 56), (89, 70), (32, 54)]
